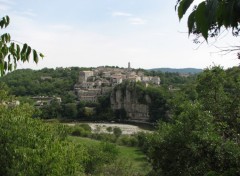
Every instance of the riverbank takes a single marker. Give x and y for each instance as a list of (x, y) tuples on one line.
[(102, 127)]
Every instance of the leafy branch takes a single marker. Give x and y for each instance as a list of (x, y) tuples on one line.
[(12, 52), (209, 16)]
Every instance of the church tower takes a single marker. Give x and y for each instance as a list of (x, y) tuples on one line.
[(129, 66)]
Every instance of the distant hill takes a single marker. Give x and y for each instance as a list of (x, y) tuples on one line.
[(178, 70)]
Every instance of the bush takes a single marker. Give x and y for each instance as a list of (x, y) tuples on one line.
[(30, 147), (104, 137), (117, 131), (120, 167), (143, 143), (79, 131), (102, 154), (85, 126), (128, 141), (109, 129)]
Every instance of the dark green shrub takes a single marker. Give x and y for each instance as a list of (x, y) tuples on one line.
[(127, 140), (109, 129), (100, 155), (85, 126), (117, 131), (78, 131), (104, 137)]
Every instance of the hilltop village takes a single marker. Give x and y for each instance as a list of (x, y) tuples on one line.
[(98, 93), (101, 80)]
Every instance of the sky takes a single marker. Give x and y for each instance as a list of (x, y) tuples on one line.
[(91, 33)]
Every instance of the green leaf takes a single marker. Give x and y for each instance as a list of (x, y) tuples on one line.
[(15, 62), (211, 9), (191, 21), (7, 20), (18, 54), (1, 24), (201, 20), (5, 50), (23, 52), (8, 37), (25, 46), (35, 56), (29, 49), (41, 55), (12, 49), (183, 7)]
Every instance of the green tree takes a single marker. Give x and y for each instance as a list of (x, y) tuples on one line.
[(30, 147), (70, 110), (209, 16), (11, 52), (191, 145), (210, 89), (232, 107), (218, 91), (158, 107), (52, 110)]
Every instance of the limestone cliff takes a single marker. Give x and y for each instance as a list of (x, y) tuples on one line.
[(129, 101)]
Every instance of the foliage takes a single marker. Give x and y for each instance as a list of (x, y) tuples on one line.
[(103, 109), (117, 131), (104, 137), (158, 107), (129, 160), (31, 147), (218, 91), (120, 167), (11, 52), (44, 82), (69, 110), (83, 130), (85, 126), (192, 146), (109, 129), (53, 110), (128, 140), (60, 82), (103, 153), (209, 16), (172, 78), (202, 137)]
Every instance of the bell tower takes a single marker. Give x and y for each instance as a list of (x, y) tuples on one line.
[(129, 65)]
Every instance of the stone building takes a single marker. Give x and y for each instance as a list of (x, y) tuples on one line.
[(83, 76), (101, 80)]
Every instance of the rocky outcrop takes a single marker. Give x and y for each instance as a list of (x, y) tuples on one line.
[(128, 100)]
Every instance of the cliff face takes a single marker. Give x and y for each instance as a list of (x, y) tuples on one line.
[(128, 100)]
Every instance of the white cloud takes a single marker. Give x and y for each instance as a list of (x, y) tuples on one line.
[(61, 27), (137, 21), (29, 13), (130, 17), (5, 5), (7, 2), (123, 14)]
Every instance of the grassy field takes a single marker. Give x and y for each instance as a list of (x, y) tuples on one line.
[(131, 154)]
